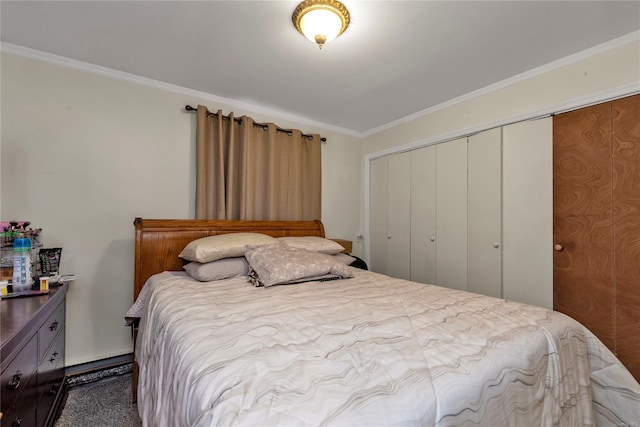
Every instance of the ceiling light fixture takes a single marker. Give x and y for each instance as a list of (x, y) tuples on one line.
[(321, 20)]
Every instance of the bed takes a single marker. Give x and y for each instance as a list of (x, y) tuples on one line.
[(362, 350)]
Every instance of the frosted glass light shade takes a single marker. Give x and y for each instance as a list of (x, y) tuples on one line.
[(320, 25), (321, 21)]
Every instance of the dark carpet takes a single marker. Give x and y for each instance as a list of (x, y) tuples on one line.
[(104, 403)]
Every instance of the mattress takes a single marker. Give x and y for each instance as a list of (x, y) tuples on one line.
[(370, 350)]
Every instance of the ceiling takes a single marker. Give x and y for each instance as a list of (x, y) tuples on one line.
[(395, 59)]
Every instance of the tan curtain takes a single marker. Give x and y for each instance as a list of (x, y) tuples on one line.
[(254, 172)]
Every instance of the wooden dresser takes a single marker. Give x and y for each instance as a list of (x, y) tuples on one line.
[(32, 358)]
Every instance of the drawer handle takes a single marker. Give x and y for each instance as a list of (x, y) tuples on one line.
[(15, 381), (53, 358), (17, 422), (53, 326)]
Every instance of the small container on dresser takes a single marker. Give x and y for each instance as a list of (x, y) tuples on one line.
[(32, 355)]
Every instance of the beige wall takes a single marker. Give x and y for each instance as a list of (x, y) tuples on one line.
[(83, 154)]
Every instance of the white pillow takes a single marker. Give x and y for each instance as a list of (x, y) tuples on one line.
[(313, 244), (221, 246)]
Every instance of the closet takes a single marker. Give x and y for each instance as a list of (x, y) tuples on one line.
[(596, 229), (438, 214)]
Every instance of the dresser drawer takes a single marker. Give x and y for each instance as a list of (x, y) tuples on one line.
[(51, 367), (50, 379), (17, 375), (49, 330), (22, 412)]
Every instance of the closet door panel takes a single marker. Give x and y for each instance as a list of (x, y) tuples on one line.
[(398, 216), (423, 215), (451, 214), (484, 209), (626, 205), (378, 215), (527, 212), (583, 218)]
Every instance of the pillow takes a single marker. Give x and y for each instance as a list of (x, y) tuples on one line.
[(218, 270), (313, 244), (344, 258), (221, 246), (280, 263)]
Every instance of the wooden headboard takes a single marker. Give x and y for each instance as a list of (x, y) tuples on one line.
[(159, 241)]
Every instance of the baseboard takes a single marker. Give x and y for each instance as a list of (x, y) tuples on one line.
[(96, 370)]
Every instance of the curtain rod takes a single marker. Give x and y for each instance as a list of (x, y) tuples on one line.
[(209, 113)]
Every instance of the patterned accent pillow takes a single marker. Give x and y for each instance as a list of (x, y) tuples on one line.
[(313, 244), (279, 263), (218, 270), (221, 246)]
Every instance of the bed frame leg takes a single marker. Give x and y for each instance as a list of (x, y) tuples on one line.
[(134, 382)]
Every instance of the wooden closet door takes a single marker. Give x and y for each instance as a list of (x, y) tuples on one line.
[(583, 219), (626, 230)]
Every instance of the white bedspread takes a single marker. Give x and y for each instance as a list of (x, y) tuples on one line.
[(369, 351)]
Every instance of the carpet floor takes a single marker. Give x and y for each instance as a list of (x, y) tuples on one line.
[(105, 403)]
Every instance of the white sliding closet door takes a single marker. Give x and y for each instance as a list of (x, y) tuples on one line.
[(528, 212), (423, 215), (484, 245), (390, 227), (399, 216), (451, 214), (378, 173)]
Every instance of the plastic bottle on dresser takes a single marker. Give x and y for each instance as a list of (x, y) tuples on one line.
[(22, 279), (17, 264)]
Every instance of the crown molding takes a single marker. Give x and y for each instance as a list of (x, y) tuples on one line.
[(568, 60), (260, 109), (134, 78), (552, 110)]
